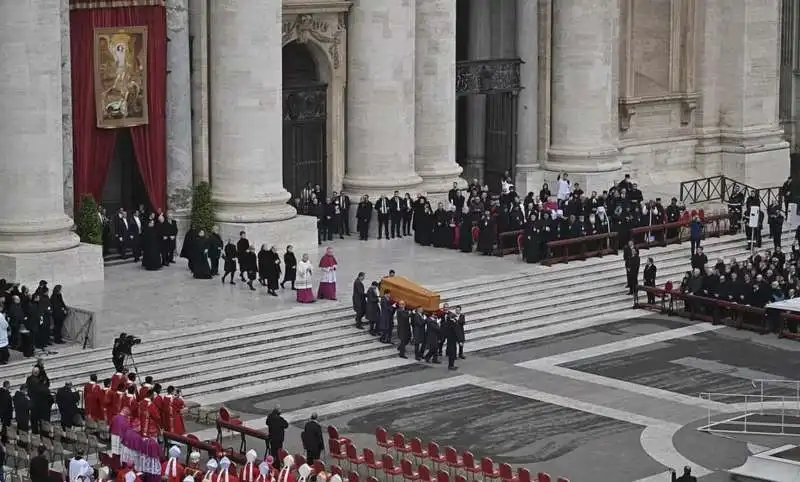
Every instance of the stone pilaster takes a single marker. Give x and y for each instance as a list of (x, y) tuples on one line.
[(179, 110), (479, 48), (247, 125), (198, 32), (584, 135), (66, 106), (380, 98), (36, 241), (528, 171), (435, 96), (753, 148)]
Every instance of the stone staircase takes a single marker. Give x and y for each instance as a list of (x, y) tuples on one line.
[(234, 359)]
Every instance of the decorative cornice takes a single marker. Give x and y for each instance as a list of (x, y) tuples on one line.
[(296, 7), (306, 27), (92, 4)]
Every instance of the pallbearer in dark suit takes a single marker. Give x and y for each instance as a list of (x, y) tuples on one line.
[(383, 206), (418, 322), (387, 318), (290, 267), (396, 214), (373, 308), (432, 334), (403, 328), (230, 261), (363, 217), (241, 249), (460, 321), (649, 276), (450, 335), (337, 219), (359, 300)]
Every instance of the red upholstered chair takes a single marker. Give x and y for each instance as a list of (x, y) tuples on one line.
[(333, 433), (226, 416), (353, 457), (192, 436), (562, 479), (487, 469), (400, 446), (336, 451), (372, 479), (701, 213), (454, 462), (408, 471), (524, 475), (476, 234), (388, 467), (417, 451), (317, 467), (424, 473), (371, 463), (353, 477), (435, 456), (668, 286), (282, 453), (469, 465), (543, 477), (299, 460), (382, 439), (442, 476), (507, 473)]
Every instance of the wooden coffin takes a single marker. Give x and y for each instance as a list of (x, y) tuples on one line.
[(401, 289)]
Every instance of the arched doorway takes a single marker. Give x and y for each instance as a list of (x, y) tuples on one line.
[(124, 187), (305, 114)]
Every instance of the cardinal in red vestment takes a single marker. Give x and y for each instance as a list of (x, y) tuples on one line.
[(130, 402), (144, 390), (91, 398), (171, 469), (265, 471), (286, 474), (114, 403), (193, 469), (327, 283), (224, 475), (149, 418), (249, 470), (211, 471), (172, 408), (119, 379)]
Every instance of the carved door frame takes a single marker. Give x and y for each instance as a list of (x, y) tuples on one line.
[(322, 26)]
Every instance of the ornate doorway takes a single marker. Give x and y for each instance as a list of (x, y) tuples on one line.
[(305, 115)]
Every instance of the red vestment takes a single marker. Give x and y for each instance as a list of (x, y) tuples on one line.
[(144, 390), (93, 401), (118, 379), (249, 472), (113, 404), (148, 418), (220, 477), (176, 421), (179, 472), (129, 402)]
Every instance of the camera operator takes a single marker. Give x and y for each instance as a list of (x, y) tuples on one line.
[(123, 345)]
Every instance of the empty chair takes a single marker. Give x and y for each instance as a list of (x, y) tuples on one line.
[(388, 467), (353, 457), (400, 446), (454, 462), (353, 477), (507, 473), (435, 456), (487, 469), (424, 473), (543, 477), (371, 463), (382, 439), (333, 434), (372, 479), (408, 471), (336, 451), (442, 476), (417, 451), (562, 479), (524, 475), (470, 467)]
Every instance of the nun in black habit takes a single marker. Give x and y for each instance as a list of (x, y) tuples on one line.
[(200, 266), (188, 246), (465, 233), (151, 247), (440, 227), (273, 270), (425, 225), (532, 242), (488, 234), (263, 264)]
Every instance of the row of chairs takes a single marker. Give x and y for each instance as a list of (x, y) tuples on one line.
[(60, 443), (342, 449)]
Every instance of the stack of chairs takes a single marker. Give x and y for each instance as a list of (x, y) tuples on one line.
[(417, 463), (61, 445)]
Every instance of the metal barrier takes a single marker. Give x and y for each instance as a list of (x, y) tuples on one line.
[(720, 188), (79, 327), (759, 415)]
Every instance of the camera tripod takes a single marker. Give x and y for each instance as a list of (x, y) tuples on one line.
[(128, 362)]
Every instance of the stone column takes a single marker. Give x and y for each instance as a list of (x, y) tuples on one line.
[(584, 134), (66, 106), (479, 48), (198, 30), (753, 148), (528, 172), (179, 109), (245, 77), (380, 98), (435, 94), (36, 241)]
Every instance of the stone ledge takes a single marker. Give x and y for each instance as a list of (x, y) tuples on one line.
[(69, 267), (300, 232)]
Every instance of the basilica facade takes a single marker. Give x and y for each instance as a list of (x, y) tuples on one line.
[(375, 96)]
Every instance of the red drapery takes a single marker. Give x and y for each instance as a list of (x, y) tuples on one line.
[(94, 147)]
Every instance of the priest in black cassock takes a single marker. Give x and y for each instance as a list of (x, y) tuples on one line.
[(488, 234), (151, 247), (214, 250), (230, 261), (199, 259), (532, 242), (188, 247), (290, 267), (465, 234), (273, 270), (263, 264)]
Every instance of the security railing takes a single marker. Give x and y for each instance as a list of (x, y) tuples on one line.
[(755, 414), (721, 188)]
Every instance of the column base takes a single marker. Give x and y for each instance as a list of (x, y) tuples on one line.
[(759, 158), (355, 187), (69, 267), (440, 181), (588, 181), (528, 178), (300, 232)]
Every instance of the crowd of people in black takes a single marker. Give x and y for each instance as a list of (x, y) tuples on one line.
[(30, 320), (144, 235)]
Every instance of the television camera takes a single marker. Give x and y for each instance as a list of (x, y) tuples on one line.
[(122, 352)]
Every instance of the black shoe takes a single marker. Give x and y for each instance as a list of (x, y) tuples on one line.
[(462, 357), (233, 283), (273, 293), (358, 326), (403, 356), (452, 368)]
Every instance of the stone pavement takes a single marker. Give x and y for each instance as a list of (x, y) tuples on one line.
[(619, 401)]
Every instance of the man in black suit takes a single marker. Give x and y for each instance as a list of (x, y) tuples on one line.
[(121, 229), (344, 205), (6, 410), (359, 300), (134, 235), (382, 205), (396, 213), (312, 439), (277, 426), (363, 217), (686, 477), (403, 328), (241, 250), (67, 401), (22, 409), (39, 469)]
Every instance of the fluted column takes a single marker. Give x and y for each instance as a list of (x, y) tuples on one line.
[(584, 135), (179, 107), (528, 171), (380, 98), (246, 105), (32, 218), (479, 48), (435, 93)]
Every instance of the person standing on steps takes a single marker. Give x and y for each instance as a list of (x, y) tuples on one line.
[(249, 263), (373, 308), (650, 271), (633, 271), (386, 323), (460, 321), (359, 300), (449, 332), (695, 233), (241, 250), (229, 254), (418, 324), (403, 328), (277, 426), (432, 334)]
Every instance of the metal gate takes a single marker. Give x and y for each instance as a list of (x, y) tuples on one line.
[(305, 114), (498, 81)]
